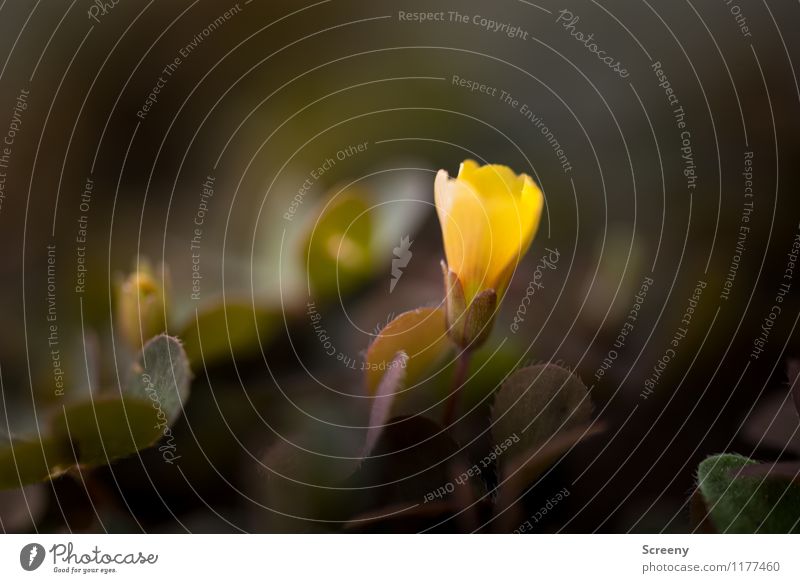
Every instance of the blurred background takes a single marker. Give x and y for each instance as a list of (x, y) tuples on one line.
[(221, 145)]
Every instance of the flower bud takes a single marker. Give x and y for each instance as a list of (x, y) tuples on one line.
[(489, 216), (141, 307)]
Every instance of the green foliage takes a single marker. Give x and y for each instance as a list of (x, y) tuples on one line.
[(548, 409), (220, 331), (106, 426), (420, 334), (26, 461), (301, 478), (537, 402), (740, 503), (161, 375), (338, 251), (102, 430)]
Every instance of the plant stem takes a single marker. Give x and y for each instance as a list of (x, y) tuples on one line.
[(459, 378)]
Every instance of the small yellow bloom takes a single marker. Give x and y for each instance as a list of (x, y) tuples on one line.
[(141, 306), (489, 216)]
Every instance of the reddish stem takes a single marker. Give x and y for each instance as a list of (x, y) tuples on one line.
[(459, 378)]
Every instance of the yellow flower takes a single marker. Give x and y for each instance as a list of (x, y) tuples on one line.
[(141, 306), (489, 216)]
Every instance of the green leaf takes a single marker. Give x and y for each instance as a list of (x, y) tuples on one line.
[(161, 376), (537, 402), (219, 331), (105, 427), (740, 503), (420, 334), (27, 461), (338, 250), (114, 426), (108, 428), (301, 486), (540, 413)]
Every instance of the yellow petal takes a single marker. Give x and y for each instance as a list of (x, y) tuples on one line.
[(491, 180), (489, 216)]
